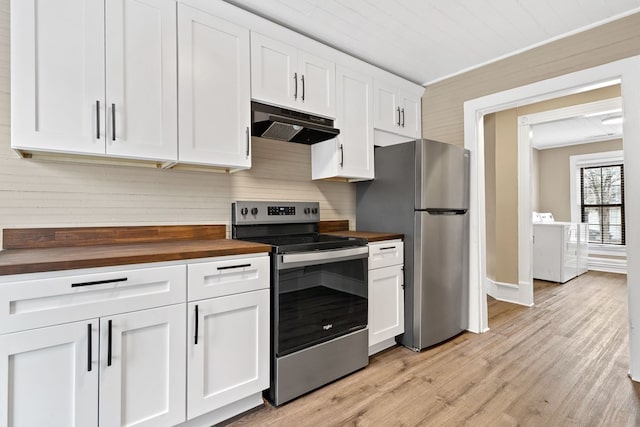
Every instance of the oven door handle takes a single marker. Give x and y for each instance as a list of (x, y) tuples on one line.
[(322, 257)]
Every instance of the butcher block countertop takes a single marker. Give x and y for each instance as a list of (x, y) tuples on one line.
[(40, 250), (341, 228)]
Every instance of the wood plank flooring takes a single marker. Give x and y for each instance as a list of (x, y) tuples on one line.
[(563, 362)]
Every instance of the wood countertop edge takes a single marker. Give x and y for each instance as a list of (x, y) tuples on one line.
[(370, 236), (108, 255)]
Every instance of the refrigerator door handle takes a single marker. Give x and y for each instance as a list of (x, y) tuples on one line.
[(446, 211)]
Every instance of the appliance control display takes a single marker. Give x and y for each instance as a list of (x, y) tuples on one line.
[(281, 210)]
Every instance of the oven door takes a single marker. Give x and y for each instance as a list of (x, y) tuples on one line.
[(321, 295)]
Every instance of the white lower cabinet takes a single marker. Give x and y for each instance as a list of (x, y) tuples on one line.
[(49, 376), (143, 367), (228, 338), (117, 349), (228, 350), (107, 357), (386, 294)]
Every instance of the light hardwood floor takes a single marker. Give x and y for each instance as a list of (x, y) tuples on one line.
[(563, 362)]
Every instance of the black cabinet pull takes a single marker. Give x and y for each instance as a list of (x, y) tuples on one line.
[(195, 336), (109, 339), (398, 110), (113, 122), (403, 117), (341, 156), (387, 248), (89, 355), (295, 93), (99, 282), (248, 141), (302, 78), (97, 119), (229, 267)]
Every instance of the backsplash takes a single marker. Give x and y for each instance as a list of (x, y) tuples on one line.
[(38, 193)]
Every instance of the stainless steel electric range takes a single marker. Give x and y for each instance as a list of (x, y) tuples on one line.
[(318, 296)]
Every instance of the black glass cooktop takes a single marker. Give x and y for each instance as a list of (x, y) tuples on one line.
[(307, 242)]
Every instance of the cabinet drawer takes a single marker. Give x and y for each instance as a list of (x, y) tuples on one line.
[(65, 298), (227, 276), (384, 254)]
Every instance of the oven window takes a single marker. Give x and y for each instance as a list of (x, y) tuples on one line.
[(320, 302)]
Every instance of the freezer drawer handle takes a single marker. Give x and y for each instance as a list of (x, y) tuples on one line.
[(387, 248), (99, 282), (229, 267)]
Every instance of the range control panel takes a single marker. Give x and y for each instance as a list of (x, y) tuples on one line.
[(281, 210), (245, 212)]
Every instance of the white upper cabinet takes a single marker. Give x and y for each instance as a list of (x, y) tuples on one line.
[(95, 77), (396, 110), (57, 75), (141, 91), (214, 90), (285, 76), (350, 155)]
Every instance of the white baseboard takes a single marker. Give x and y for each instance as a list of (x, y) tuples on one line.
[(610, 265), (508, 292)]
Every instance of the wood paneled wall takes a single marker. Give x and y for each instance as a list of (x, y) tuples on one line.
[(442, 103), (36, 193)]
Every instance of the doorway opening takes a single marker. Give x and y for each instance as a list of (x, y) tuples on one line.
[(627, 71)]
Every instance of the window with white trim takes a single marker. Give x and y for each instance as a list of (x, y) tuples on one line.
[(602, 203)]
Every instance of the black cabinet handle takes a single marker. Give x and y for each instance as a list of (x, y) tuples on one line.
[(89, 355), (229, 267), (248, 141), (99, 282), (109, 339), (387, 248), (97, 119), (398, 110), (302, 78), (341, 155), (113, 122), (195, 336), (295, 93), (403, 117)]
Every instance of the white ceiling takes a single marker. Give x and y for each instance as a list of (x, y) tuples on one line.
[(428, 40), (578, 124)]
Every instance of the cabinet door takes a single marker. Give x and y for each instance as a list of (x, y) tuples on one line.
[(386, 303), (410, 116), (386, 107), (317, 84), (274, 75), (214, 90), (49, 376), (355, 121), (228, 350), (141, 80), (143, 367), (57, 75)]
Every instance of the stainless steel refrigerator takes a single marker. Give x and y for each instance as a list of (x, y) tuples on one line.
[(422, 190)]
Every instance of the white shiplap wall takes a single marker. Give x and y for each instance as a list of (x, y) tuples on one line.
[(37, 193)]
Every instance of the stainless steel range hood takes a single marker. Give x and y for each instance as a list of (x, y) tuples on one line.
[(278, 123)]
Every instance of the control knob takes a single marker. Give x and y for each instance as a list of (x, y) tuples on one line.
[(254, 211), (314, 211), (307, 211), (244, 211)]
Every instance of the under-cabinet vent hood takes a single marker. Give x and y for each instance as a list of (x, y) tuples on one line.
[(286, 125)]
